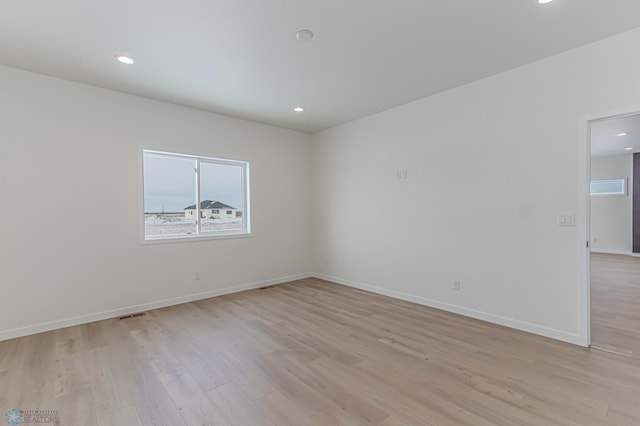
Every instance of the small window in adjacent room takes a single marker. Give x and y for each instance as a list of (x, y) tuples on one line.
[(609, 187), (183, 195)]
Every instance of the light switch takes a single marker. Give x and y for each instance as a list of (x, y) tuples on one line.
[(566, 219)]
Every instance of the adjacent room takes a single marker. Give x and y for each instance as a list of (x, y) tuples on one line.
[(319, 213)]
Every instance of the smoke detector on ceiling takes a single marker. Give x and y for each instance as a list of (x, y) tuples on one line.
[(304, 35)]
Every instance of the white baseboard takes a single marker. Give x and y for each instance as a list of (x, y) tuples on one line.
[(128, 310), (607, 251), (472, 313), (114, 313)]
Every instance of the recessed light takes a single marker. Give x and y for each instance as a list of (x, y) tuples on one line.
[(629, 148), (304, 35), (623, 134), (298, 109), (125, 60), (544, 1)]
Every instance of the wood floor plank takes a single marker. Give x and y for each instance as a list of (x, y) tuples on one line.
[(93, 335), (76, 408), (313, 353), (236, 406), (283, 411), (615, 298), (280, 366), (69, 341), (127, 416), (192, 402), (207, 367), (155, 406), (246, 374), (110, 389), (71, 374)]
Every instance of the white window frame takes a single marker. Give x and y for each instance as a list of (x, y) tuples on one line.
[(199, 235), (621, 181)]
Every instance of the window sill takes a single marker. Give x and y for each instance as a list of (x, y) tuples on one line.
[(193, 238)]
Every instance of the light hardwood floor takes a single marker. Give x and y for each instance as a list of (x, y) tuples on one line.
[(313, 353), (615, 303)]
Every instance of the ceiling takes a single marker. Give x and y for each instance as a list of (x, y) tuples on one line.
[(241, 57), (606, 143)]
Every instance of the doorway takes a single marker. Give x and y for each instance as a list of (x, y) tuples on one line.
[(614, 268)]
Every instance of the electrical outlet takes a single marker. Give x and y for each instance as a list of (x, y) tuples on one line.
[(402, 174), (456, 285), (197, 276)]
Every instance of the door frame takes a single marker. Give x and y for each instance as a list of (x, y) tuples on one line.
[(583, 230)]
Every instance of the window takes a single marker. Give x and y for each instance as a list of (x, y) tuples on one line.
[(229, 212), (178, 189), (609, 187)]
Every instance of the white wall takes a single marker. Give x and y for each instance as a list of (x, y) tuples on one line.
[(67, 148), (490, 166), (611, 216)]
